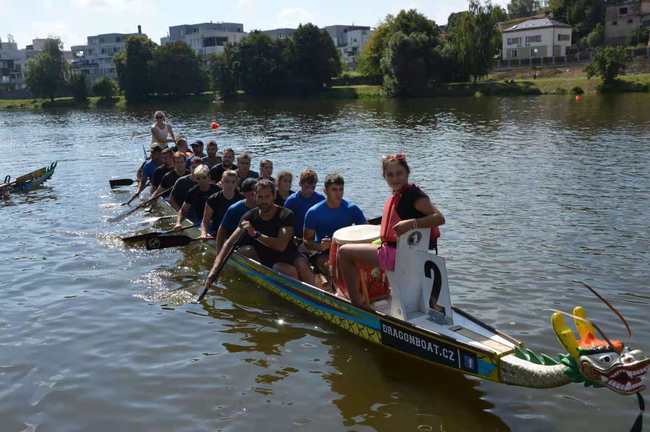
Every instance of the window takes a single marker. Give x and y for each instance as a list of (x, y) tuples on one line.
[(214, 41), (630, 21), (101, 40), (622, 11), (614, 23), (514, 41), (563, 37), (118, 39), (513, 53), (536, 38)]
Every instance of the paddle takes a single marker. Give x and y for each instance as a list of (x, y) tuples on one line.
[(168, 241), (375, 221), (120, 182), (150, 235), (134, 209), (153, 220), (222, 264), (137, 194)]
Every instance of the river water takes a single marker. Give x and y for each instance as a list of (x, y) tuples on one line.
[(538, 193)]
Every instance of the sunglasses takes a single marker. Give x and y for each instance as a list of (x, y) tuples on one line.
[(159, 117), (201, 177)]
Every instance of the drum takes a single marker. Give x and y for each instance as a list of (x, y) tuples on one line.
[(374, 283)]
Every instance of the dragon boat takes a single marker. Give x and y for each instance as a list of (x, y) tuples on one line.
[(417, 319), (28, 181)]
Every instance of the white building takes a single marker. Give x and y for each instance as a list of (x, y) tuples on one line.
[(206, 38), (281, 33), (95, 59), (536, 38), (349, 40), (12, 62)]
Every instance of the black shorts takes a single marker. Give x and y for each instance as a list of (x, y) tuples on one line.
[(287, 257)]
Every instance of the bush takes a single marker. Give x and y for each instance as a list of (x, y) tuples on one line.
[(78, 86), (608, 63), (105, 88), (577, 90)]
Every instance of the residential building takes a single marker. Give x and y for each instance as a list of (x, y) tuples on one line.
[(12, 62), (206, 38), (536, 38), (281, 33), (623, 18), (349, 40), (95, 59)]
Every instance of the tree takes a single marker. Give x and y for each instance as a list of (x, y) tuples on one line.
[(407, 64), (105, 88), (45, 75), (177, 70), (596, 37), (315, 59), (78, 85), (134, 68), (223, 70), (581, 15), (474, 38), (372, 52), (608, 63), (263, 64), (522, 8)]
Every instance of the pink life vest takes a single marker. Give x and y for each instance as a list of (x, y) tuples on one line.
[(390, 218)]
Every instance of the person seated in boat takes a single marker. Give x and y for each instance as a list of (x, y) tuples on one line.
[(181, 146), (283, 186), (161, 131), (219, 203), (145, 173), (166, 166), (233, 215), (266, 170), (169, 179), (212, 159), (271, 229), (194, 203), (184, 184), (227, 164), (324, 218), (301, 201), (197, 149), (408, 208), (244, 170)]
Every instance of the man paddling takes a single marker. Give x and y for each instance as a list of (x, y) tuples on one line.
[(302, 200), (197, 149), (271, 229), (166, 166), (228, 158), (196, 198), (183, 185), (212, 159), (266, 170), (170, 178), (244, 170), (324, 218), (219, 203), (145, 173), (235, 212)]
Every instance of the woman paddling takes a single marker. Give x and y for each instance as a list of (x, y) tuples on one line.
[(285, 178), (161, 132), (408, 208)]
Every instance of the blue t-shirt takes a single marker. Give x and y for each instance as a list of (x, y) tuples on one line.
[(299, 206), (326, 220), (149, 168), (233, 216)]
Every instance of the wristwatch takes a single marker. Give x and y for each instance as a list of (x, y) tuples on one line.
[(257, 235)]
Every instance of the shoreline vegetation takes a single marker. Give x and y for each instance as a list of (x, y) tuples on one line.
[(560, 86)]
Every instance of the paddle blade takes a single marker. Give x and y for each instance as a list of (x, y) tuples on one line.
[(141, 237), (120, 182), (163, 242), (375, 221)]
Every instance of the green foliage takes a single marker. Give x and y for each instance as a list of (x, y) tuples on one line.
[(78, 85), (372, 52), (408, 64), (608, 63), (577, 90), (223, 72), (105, 88), (263, 64), (45, 75), (522, 8), (177, 70), (596, 37), (315, 60), (474, 39), (582, 15), (134, 68), (639, 37)]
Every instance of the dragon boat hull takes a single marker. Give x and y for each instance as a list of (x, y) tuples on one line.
[(31, 180)]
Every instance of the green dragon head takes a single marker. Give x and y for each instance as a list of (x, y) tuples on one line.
[(606, 363)]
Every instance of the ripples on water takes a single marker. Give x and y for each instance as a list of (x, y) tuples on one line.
[(537, 192)]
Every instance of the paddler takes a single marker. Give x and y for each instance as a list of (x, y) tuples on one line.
[(235, 212), (212, 159), (244, 170), (227, 164), (301, 201), (408, 208), (324, 218), (283, 184), (271, 229), (161, 132), (166, 166), (197, 149), (194, 203), (266, 170), (219, 203), (184, 184), (179, 170), (145, 173)]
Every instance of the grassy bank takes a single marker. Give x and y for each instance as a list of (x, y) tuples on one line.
[(63, 102)]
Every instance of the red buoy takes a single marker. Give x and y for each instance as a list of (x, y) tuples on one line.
[(578, 98), (214, 125)]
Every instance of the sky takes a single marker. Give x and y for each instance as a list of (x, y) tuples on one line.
[(73, 20)]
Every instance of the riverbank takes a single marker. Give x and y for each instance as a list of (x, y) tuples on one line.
[(503, 87)]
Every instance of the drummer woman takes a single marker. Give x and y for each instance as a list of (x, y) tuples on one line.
[(408, 208), (161, 132)]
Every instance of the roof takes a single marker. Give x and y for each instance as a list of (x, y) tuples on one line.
[(536, 24)]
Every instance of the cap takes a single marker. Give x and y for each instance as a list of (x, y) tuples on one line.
[(248, 185), (181, 139), (197, 143), (157, 147)]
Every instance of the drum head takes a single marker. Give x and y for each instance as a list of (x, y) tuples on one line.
[(357, 234)]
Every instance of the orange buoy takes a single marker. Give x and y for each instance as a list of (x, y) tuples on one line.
[(214, 125), (578, 98)]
